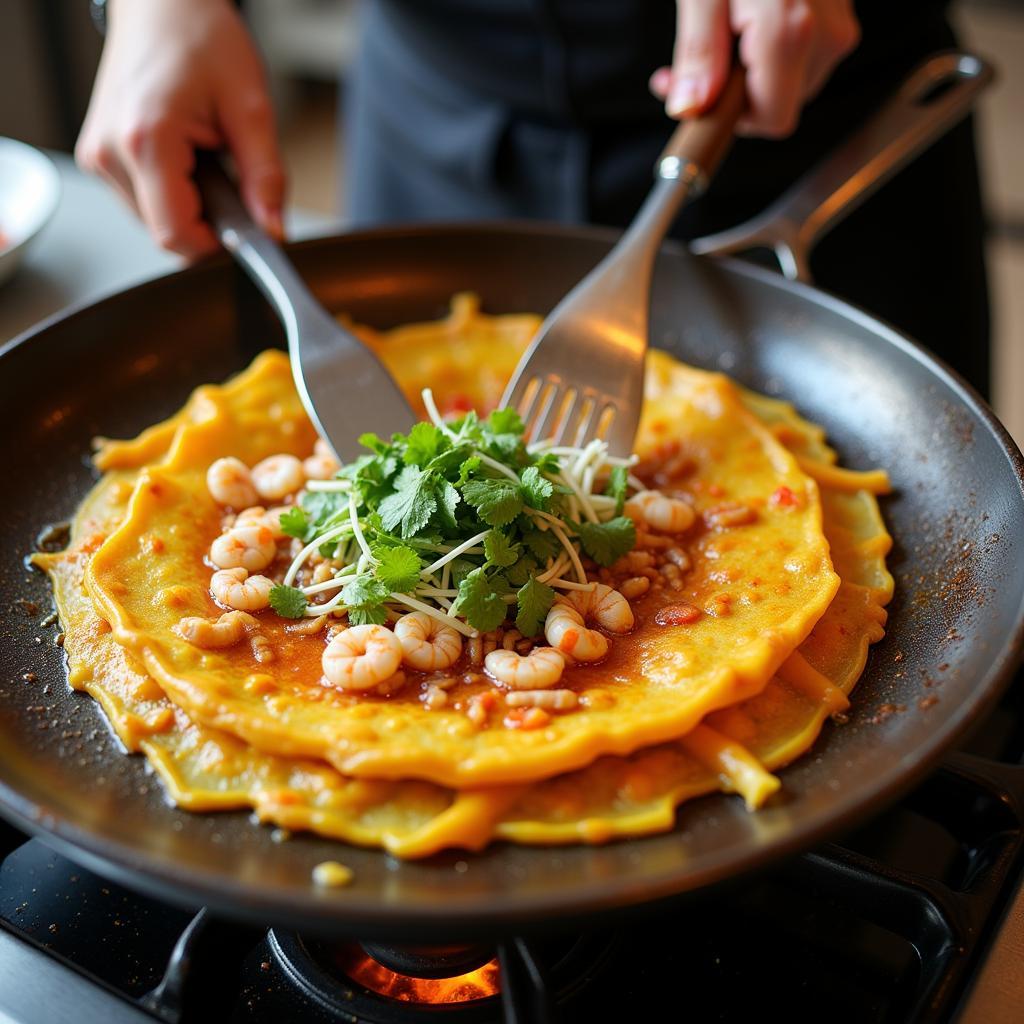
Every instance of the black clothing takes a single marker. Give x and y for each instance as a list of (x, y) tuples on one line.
[(483, 109)]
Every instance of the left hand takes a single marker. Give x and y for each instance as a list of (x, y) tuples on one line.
[(788, 47)]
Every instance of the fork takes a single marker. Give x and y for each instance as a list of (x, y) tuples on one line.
[(344, 387), (583, 375)]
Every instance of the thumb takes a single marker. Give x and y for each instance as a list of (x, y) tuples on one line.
[(247, 121), (700, 60)]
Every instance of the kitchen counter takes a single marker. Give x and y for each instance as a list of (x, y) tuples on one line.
[(93, 246)]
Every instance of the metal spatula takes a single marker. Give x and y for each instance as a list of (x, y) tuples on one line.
[(345, 388), (582, 376)]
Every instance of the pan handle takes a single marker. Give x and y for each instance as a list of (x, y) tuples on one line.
[(938, 94)]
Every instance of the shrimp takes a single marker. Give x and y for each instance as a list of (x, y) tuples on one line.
[(427, 644), (361, 657), (230, 483), (251, 516), (211, 636), (257, 515), (565, 631), (322, 464), (564, 626), (248, 547), (236, 589), (539, 669), (669, 515), (278, 476)]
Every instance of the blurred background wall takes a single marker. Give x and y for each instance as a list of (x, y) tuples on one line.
[(49, 50)]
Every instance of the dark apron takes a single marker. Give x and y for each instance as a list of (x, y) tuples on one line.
[(485, 109)]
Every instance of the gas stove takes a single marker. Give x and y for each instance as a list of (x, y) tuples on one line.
[(916, 917)]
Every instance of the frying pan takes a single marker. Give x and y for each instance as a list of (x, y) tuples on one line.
[(955, 629)]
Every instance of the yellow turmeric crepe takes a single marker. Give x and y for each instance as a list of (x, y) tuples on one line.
[(205, 769), (762, 584)]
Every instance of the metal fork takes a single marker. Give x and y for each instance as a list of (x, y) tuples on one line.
[(344, 387), (583, 375)]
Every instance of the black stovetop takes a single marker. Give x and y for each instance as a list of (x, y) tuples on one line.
[(890, 925)]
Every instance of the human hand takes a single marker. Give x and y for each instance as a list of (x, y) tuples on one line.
[(788, 47), (177, 75)]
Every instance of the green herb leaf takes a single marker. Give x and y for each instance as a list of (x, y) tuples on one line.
[(507, 448), (371, 615), (607, 542), (448, 499), (519, 573), (547, 463), (499, 550), (534, 600), (288, 602), (374, 443), (363, 593), (536, 489), (398, 568), (322, 506), (412, 503), (467, 469), (617, 486), (294, 522), (498, 502), (479, 602), (505, 421), (370, 475), (461, 568), (542, 544), (425, 442)]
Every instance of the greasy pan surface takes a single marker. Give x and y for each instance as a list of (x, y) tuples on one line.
[(955, 624)]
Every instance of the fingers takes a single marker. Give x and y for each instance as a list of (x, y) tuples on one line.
[(149, 163), (775, 47), (98, 158), (247, 122), (838, 34), (160, 161), (701, 58), (789, 48)]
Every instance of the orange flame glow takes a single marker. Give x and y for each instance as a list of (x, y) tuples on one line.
[(478, 984)]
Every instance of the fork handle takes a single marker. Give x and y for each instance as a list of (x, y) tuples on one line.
[(698, 145), (260, 256), (319, 348)]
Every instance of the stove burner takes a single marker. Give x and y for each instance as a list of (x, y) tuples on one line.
[(359, 982), (471, 986), (429, 961)]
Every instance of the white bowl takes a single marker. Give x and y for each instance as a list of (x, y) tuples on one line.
[(29, 193)]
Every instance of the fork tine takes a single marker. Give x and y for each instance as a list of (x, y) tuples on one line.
[(566, 413), (605, 419), (573, 409), (524, 398), (583, 435), (534, 410), (547, 418)]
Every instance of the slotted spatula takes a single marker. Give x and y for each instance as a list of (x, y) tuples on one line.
[(344, 387), (582, 376)]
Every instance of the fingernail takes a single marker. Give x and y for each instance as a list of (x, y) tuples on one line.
[(685, 96)]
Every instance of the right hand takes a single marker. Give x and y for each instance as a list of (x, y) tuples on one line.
[(177, 75)]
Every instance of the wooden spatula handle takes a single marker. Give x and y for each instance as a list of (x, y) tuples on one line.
[(698, 145)]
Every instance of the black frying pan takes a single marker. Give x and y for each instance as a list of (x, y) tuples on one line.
[(954, 634)]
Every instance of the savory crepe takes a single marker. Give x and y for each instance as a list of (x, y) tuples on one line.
[(758, 576), (206, 769)]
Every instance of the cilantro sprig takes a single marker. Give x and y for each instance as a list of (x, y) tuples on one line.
[(396, 515)]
